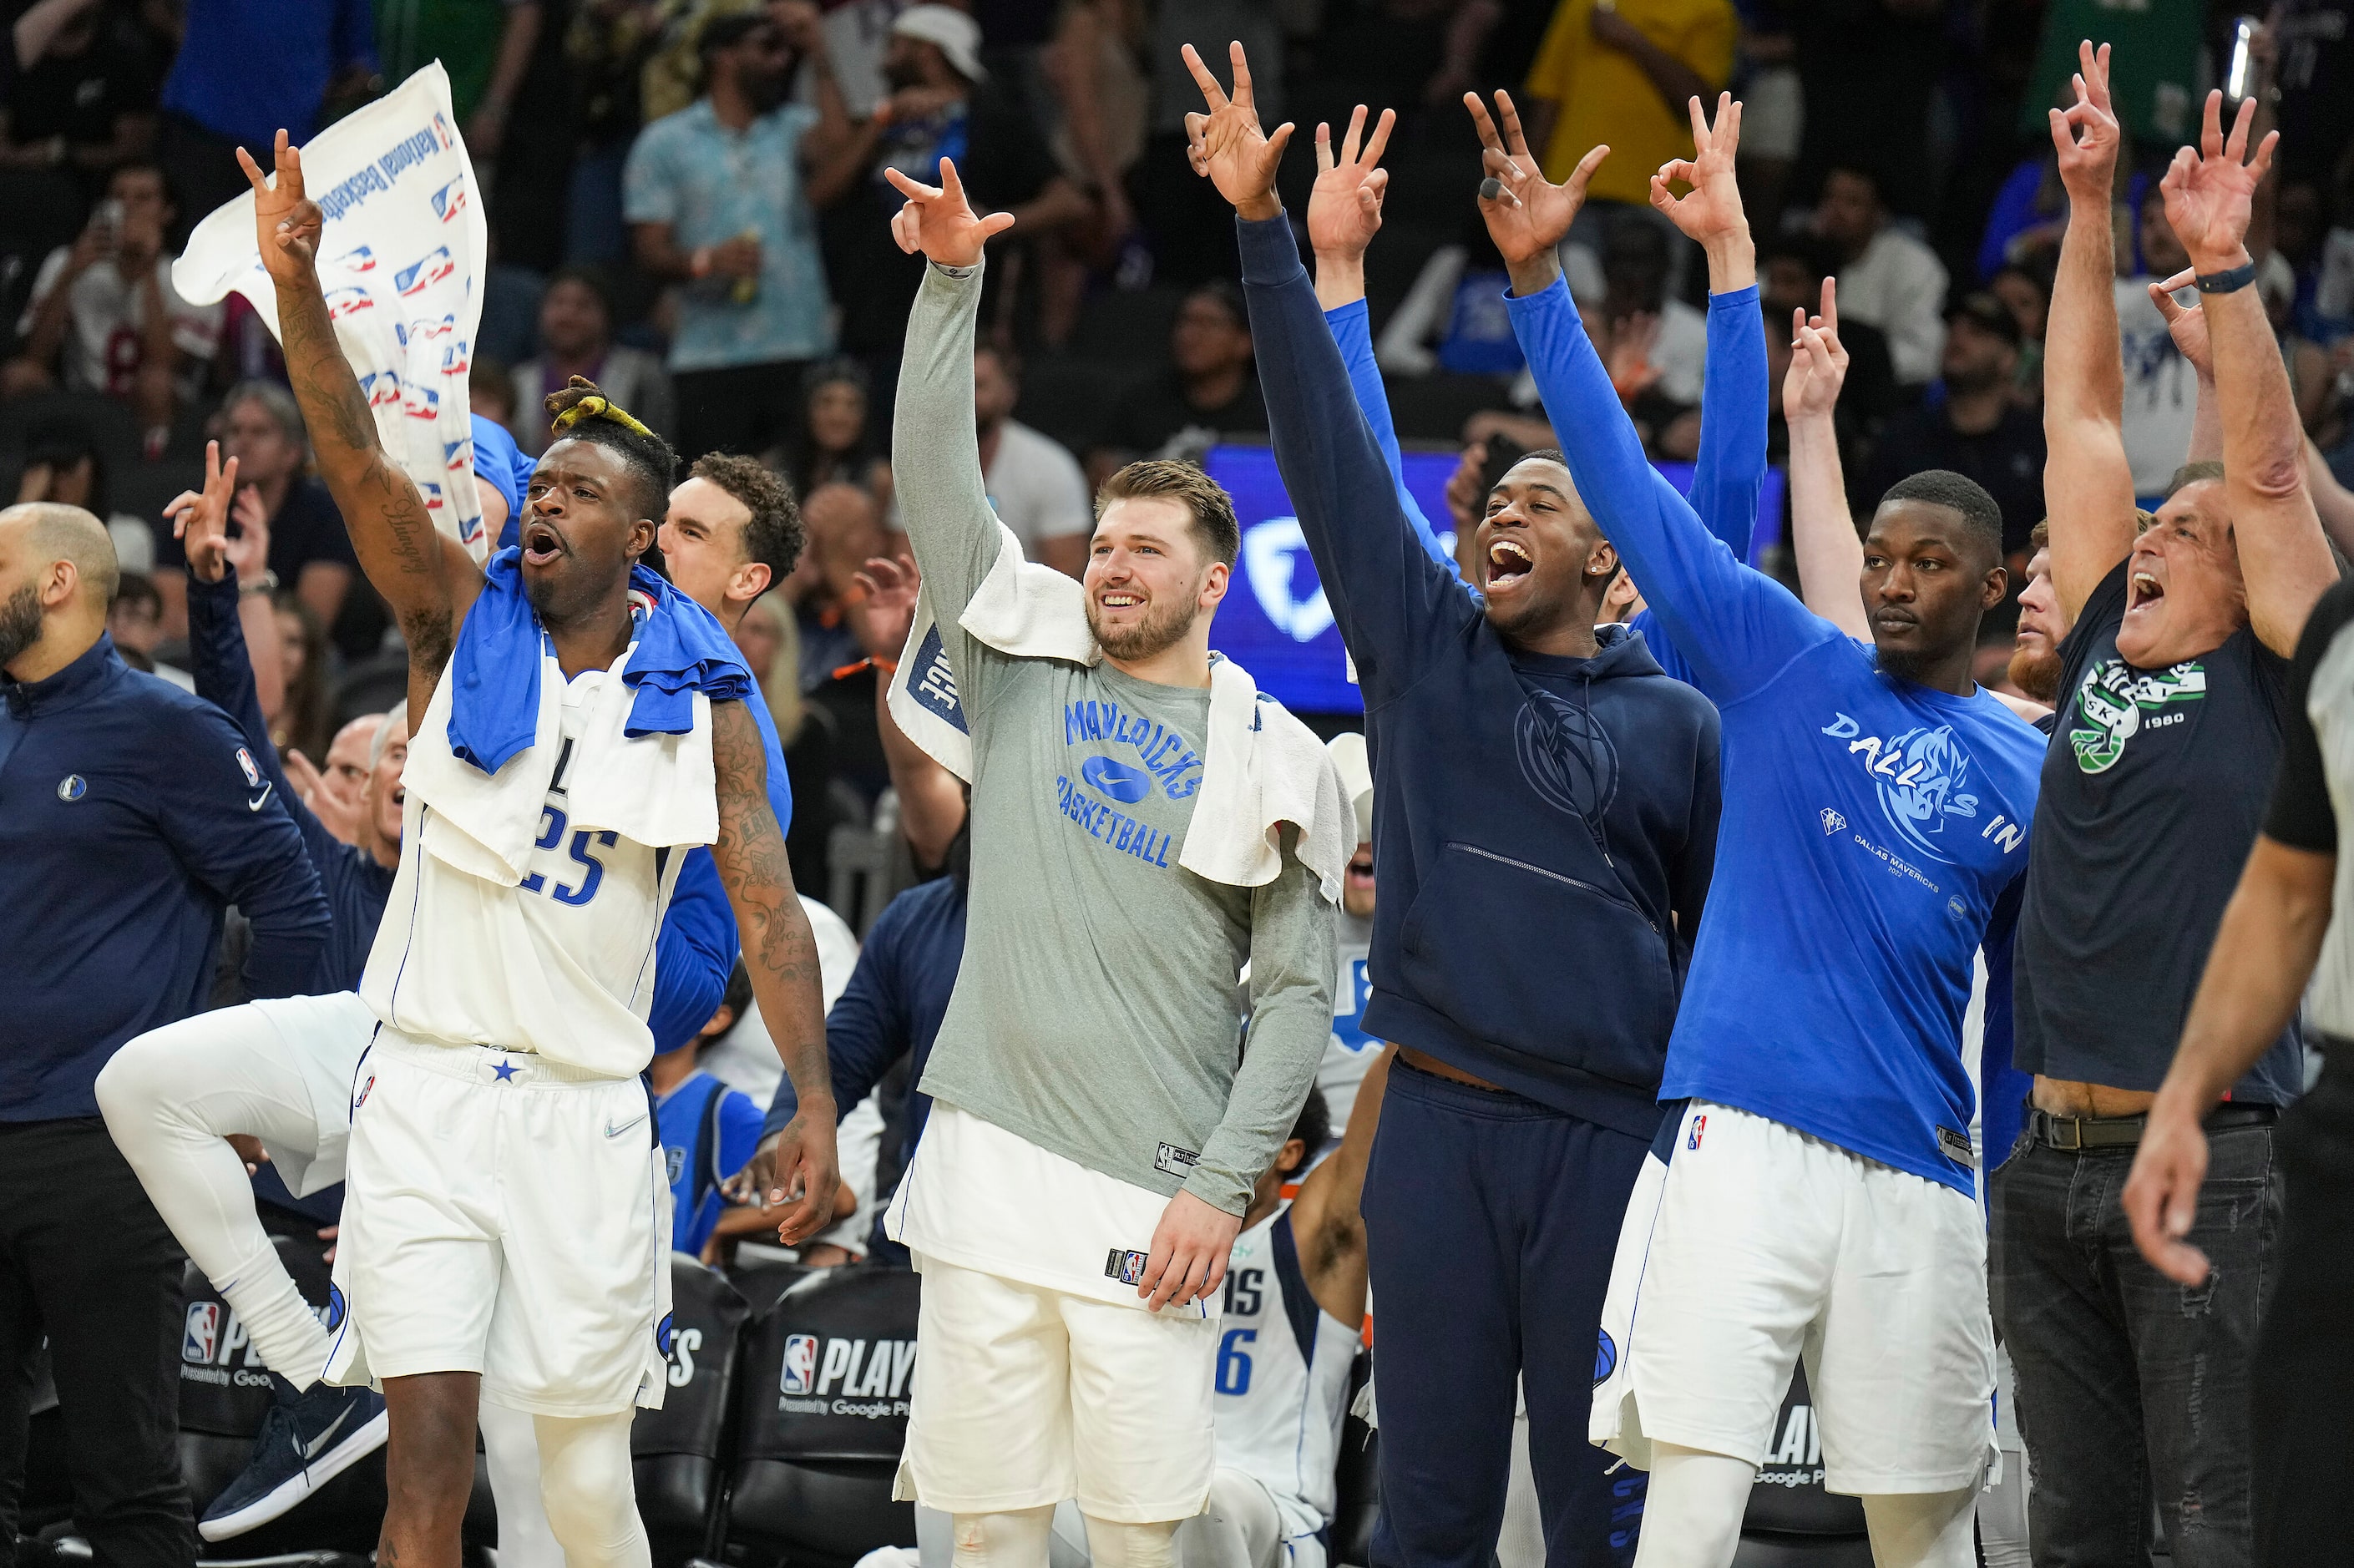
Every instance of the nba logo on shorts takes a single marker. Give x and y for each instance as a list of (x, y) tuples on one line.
[(801, 1364), (1699, 1125), (203, 1335)]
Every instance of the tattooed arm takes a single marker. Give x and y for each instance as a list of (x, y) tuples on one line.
[(780, 955), (426, 575)]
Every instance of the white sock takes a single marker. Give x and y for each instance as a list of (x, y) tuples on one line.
[(1692, 1511)]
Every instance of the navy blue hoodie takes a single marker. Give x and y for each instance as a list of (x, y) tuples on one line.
[(1544, 827)]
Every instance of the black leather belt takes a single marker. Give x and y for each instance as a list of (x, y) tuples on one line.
[(2073, 1134)]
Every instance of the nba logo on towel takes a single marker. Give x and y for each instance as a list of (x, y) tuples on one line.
[(358, 258), (800, 1363), (202, 1337), (454, 455), (1699, 1125), (342, 302), (414, 277), (450, 199)]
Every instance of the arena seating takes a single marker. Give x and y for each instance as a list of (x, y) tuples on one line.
[(679, 1448)]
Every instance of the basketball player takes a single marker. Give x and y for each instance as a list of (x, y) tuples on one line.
[(1087, 1096), (1817, 1196), (509, 980)]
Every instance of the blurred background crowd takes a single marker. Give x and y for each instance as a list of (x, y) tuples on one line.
[(687, 205)]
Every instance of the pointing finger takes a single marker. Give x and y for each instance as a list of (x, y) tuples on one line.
[(914, 190), (1243, 98), (1381, 138), (1699, 124), (1208, 83), (1323, 148), (951, 187), (1480, 122), (1356, 136), (1516, 142)]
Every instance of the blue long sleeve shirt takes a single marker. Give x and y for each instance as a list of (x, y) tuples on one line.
[(131, 814), (1874, 832), (1526, 805)]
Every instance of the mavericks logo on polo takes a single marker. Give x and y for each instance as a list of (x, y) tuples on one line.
[(2115, 702)]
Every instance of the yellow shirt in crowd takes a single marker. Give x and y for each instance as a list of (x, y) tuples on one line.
[(1604, 95)]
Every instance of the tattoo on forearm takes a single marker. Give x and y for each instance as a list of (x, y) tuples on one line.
[(750, 854)]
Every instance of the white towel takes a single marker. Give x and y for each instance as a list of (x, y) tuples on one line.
[(401, 258), (1261, 767), (653, 789)]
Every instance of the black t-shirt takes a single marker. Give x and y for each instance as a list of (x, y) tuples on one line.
[(305, 528), (1151, 413), (2301, 815), (79, 96), (2152, 792), (1003, 162), (2006, 459)]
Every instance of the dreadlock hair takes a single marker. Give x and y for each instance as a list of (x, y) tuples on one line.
[(580, 412), (775, 533)]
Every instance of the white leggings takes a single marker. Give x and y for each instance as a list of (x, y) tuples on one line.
[(1239, 1528), (1691, 1516)]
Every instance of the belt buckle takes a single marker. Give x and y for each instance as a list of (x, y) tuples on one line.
[(2075, 1126)]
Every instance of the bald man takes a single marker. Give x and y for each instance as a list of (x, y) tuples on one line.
[(131, 816)]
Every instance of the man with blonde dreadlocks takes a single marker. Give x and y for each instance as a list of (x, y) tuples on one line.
[(583, 727)]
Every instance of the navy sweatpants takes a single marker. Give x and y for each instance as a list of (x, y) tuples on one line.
[(1490, 1222)]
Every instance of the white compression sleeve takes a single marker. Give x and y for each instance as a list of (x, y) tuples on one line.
[(169, 1097), (511, 1452), (1016, 1539), (1239, 1529), (1691, 1513), (1132, 1545), (1922, 1529), (589, 1490)]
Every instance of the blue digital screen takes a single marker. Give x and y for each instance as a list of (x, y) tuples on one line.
[(1275, 621)]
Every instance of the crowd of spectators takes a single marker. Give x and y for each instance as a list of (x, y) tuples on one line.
[(687, 205)]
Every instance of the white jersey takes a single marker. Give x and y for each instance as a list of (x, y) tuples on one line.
[(562, 964), (1351, 1051), (1282, 1383)]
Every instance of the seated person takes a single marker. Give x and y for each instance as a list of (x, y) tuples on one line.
[(1210, 384), (708, 1130)]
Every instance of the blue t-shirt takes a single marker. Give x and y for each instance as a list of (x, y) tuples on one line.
[(684, 1118), (1874, 830), (248, 69)]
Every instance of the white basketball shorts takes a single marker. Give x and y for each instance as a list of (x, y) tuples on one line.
[(508, 1215), (1025, 1395), (1753, 1244)]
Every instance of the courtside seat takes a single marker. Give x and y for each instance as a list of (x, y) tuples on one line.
[(224, 1393), (678, 1448), (1792, 1521), (822, 1415), (1357, 1493), (761, 1282)]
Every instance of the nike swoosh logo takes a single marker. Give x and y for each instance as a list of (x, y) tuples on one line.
[(612, 1131), (257, 802), (311, 1449)]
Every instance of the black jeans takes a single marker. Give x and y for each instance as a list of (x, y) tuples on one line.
[(2129, 1385), (743, 408), (85, 1258), (2304, 1356)]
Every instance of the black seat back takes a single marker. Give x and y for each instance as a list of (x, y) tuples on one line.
[(1789, 1498), (821, 1417), (224, 1391), (1357, 1493), (678, 1448)]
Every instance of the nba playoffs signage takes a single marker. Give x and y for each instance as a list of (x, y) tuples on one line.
[(824, 1374), (1277, 622)]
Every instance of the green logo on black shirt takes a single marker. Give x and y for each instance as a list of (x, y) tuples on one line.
[(2115, 701)]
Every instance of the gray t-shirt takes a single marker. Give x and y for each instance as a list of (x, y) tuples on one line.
[(1094, 1013)]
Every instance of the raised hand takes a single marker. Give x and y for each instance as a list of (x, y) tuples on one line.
[(1527, 214), (1226, 145), (2187, 324), (1711, 210), (2085, 134), (938, 221), (1344, 206), (285, 223), (200, 517), (1818, 361), (2210, 195), (885, 605), (336, 805)]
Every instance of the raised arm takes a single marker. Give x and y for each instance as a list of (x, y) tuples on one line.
[(426, 576), (780, 956), (2284, 557), (2187, 324), (931, 798), (1822, 532), (1737, 627), (1328, 1222), (1391, 600), (2088, 489)]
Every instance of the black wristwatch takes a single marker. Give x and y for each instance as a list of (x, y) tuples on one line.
[(2229, 282)]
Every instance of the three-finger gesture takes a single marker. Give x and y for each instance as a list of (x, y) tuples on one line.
[(1344, 206), (286, 224), (2209, 194), (1818, 361), (2085, 134), (1527, 214), (200, 517), (1227, 146), (938, 220), (1711, 210)]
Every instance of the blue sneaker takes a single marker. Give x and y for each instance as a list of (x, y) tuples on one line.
[(306, 1441)]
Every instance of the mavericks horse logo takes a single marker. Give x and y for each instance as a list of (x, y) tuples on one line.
[(1919, 777)]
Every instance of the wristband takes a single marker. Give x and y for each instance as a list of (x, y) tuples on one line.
[(2228, 282), (266, 583)]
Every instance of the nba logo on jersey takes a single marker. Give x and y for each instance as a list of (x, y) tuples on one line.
[(801, 1364), (202, 1337), (1699, 1125), (252, 773)]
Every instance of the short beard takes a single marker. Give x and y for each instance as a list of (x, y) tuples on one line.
[(1904, 666), (20, 623), (1162, 627), (2036, 674)]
